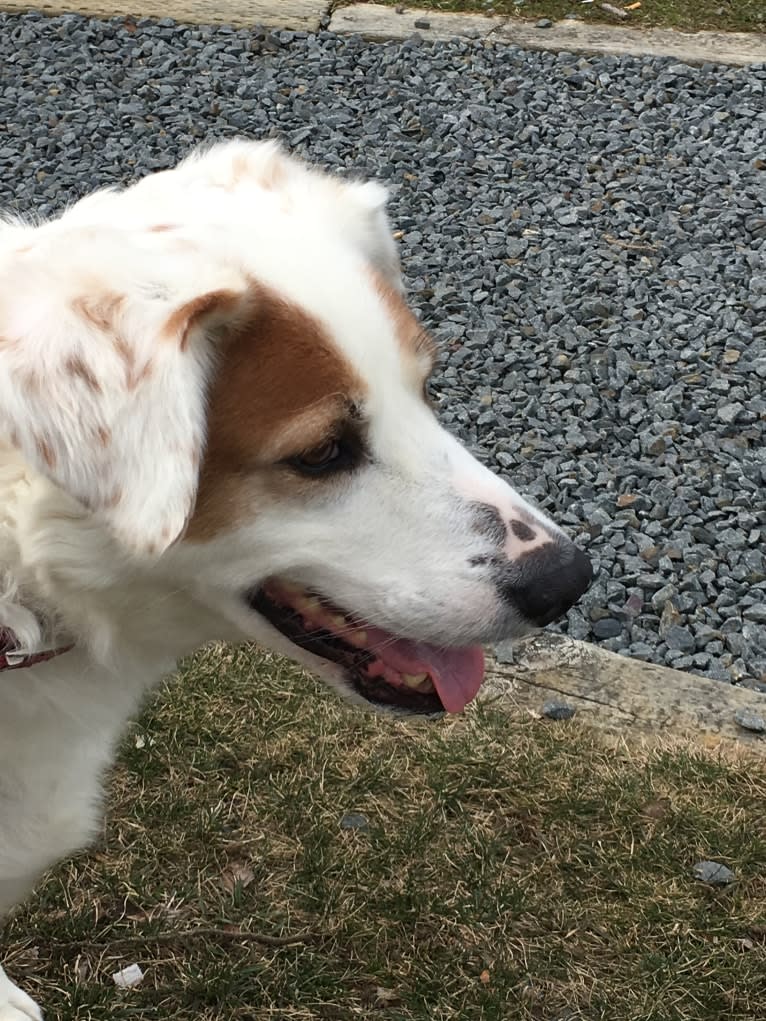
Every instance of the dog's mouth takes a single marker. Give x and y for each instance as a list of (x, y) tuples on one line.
[(389, 672)]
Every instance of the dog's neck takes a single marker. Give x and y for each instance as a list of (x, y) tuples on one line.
[(14, 657), (64, 580)]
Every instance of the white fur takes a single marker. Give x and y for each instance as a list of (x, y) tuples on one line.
[(79, 565)]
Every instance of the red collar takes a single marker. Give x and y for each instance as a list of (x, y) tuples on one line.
[(12, 658)]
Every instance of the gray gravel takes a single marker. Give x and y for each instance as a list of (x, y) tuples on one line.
[(586, 236)]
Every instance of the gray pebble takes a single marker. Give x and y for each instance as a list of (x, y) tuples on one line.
[(504, 653), (750, 720), (558, 710), (354, 821), (680, 638), (713, 873), (608, 627), (730, 412), (756, 612), (661, 597)]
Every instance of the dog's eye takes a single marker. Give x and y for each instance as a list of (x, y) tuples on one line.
[(326, 457)]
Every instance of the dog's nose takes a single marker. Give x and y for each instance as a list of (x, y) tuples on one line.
[(551, 580)]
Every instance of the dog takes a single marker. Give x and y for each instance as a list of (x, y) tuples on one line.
[(215, 425)]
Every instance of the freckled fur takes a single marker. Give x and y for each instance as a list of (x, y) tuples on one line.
[(75, 366), (100, 311), (46, 452)]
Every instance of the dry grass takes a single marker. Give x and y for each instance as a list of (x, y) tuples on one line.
[(686, 15), (511, 869)]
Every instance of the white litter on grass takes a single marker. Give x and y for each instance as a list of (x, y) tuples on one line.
[(128, 977), (616, 12)]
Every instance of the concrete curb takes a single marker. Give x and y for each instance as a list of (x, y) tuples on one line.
[(298, 15), (375, 21), (379, 22), (622, 695)]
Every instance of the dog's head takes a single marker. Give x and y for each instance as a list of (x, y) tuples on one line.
[(220, 365)]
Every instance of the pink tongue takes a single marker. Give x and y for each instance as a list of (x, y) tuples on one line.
[(456, 673)]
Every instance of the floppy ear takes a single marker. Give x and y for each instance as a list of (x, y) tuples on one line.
[(103, 375)]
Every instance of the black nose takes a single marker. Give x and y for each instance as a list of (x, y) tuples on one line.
[(545, 583)]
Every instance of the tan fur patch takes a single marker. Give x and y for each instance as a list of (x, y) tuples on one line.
[(415, 341), (139, 376), (240, 169), (30, 382), (75, 366), (46, 452), (280, 386), (125, 353), (269, 174), (100, 311), (134, 374), (273, 173), (114, 498)]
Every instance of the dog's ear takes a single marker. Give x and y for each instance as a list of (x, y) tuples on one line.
[(362, 215), (104, 366)]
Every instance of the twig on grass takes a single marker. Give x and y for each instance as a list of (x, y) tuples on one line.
[(185, 935)]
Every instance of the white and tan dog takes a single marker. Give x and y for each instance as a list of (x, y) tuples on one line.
[(213, 425)]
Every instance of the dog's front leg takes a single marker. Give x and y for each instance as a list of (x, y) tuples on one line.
[(15, 1005)]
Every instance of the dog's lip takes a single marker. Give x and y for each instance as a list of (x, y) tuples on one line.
[(386, 670)]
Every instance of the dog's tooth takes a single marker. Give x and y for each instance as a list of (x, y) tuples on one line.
[(308, 604), (414, 680), (338, 621), (358, 638)]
